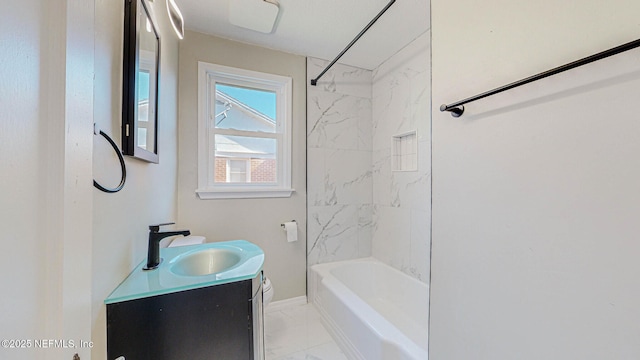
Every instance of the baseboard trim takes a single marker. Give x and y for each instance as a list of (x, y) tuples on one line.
[(286, 303)]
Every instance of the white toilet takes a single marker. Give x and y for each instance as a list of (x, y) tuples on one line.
[(267, 288), (267, 291)]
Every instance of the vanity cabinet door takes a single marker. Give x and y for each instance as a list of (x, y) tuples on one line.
[(212, 323)]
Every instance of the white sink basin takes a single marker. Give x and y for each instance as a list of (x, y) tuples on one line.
[(205, 262)]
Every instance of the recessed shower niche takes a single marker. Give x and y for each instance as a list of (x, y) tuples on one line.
[(404, 152)]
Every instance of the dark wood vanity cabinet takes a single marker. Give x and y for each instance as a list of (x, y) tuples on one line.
[(220, 322)]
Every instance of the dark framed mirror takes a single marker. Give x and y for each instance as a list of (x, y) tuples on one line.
[(141, 64)]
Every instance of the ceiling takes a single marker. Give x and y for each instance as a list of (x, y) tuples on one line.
[(321, 28)]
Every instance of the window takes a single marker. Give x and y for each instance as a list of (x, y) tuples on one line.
[(244, 133)]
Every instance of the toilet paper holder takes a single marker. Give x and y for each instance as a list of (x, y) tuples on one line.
[(282, 225)]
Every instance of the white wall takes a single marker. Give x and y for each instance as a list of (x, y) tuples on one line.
[(339, 158), (255, 220), (121, 220), (535, 201), (46, 66), (402, 199), (20, 158)]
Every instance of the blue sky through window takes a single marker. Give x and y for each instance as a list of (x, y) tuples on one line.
[(262, 101)]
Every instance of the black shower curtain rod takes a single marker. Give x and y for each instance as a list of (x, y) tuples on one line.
[(315, 81), (457, 108)]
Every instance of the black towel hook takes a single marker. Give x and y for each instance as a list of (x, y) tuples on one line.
[(122, 166)]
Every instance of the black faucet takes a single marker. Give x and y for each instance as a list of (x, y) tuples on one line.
[(153, 255)]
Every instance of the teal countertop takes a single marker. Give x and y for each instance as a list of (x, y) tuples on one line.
[(141, 284)]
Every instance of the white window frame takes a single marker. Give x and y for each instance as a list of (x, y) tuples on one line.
[(208, 76)]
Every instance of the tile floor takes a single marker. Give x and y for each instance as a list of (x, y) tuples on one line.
[(297, 333)]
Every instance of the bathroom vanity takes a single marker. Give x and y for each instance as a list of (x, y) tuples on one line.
[(202, 302)]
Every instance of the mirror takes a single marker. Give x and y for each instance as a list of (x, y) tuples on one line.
[(141, 59)]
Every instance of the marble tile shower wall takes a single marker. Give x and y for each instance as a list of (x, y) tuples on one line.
[(401, 209), (358, 206), (339, 158)]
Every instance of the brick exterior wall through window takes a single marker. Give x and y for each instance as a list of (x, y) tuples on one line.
[(263, 170), (221, 170)]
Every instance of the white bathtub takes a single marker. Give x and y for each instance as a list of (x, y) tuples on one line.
[(374, 311)]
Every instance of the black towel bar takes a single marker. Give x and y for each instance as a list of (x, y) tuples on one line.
[(457, 108)]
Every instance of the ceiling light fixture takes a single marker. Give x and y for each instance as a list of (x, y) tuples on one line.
[(176, 18), (256, 15)]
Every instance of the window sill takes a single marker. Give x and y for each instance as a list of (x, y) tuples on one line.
[(211, 194)]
